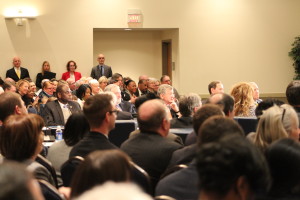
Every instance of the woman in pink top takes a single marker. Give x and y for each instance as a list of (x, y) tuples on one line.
[(71, 67)]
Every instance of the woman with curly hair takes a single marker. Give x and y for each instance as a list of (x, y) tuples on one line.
[(244, 105)]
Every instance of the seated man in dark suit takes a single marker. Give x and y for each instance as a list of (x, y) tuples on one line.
[(17, 72), (183, 184), (188, 105), (57, 112), (101, 120), (150, 149)]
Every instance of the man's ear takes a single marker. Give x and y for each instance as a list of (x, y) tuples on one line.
[(243, 189), (58, 95), (17, 110)]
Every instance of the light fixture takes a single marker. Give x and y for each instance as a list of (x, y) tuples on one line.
[(20, 15)]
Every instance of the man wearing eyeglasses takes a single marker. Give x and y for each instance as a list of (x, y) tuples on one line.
[(101, 69), (56, 113)]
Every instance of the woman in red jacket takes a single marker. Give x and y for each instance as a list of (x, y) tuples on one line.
[(71, 67)]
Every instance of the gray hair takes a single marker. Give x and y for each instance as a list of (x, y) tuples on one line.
[(163, 88), (110, 87)]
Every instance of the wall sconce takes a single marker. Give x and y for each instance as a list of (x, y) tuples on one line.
[(20, 15)]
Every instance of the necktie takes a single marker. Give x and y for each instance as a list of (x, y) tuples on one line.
[(18, 73), (101, 70)]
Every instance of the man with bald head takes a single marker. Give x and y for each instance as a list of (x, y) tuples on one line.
[(101, 69), (17, 72), (225, 101), (150, 149)]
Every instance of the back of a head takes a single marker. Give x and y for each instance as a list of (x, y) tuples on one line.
[(150, 115), (8, 103), (99, 167), (110, 87), (265, 104), (188, 103), (75, 128), (284, 161), (217, 127), (222, 164), (293, 93), (243, 98), (227, 103), (15, 182), (163, 89), (270, 127), (204, 113), (142, 99), (96, 107)]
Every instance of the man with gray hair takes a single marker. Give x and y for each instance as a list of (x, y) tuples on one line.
[(94, 84), (188, 105), (150, 149), (166, 93)]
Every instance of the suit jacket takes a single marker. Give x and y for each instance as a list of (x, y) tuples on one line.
[(150, 151), (182, 122), (12, 74), (53, 115), (180, 185), (183, 156), (66, 75), (127, 106), (123, 115), (96, 74), (92, 141)]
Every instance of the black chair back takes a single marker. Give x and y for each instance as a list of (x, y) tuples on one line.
[(121, 132), (68, 168)]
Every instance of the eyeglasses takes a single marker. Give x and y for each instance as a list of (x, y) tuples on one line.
[(114, 111)]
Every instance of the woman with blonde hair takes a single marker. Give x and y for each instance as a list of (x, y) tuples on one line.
[(244, 105), (103, 83), (276, 123), (45, 74)]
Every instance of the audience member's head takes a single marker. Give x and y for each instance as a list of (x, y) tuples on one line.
[(117, 79), (84, 91), (231, 168), (143, 77), (276, 123), (255, 90), (22, 87), (243, 99), (45, 67), (99, 167), (215, 87), (17, 183), (71, 66), (153, 117), (166, 93), (284, 162), (9, 87), (98, 110), (63, 93), (225, 101), (75, 128), (204, 113), (48, 87), (216, 127), (116, 90), (130, 86), (264, 105), (10, 104), (293, 93), (151, 84), (21, 137), (71, 82), (103, 82), (165, 79), (189, 104), (142, 99), (143, 85), (95, 86)]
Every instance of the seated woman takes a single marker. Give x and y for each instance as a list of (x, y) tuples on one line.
[(99, 167), (71, 73), (130, 88), (284, 163), (22, 87), (75, 128), (103, 83), (83, 92), (45, 74), (276, 123), (244, 105), (21, 139), (152, 85)]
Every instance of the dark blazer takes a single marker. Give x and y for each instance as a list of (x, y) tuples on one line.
[(53, 115), (40, 77), (180, 185), (96, 74), (182, 122), (127, 106), (12, 74), (123, 115), (183, 156), (150, 151), (92, 141)]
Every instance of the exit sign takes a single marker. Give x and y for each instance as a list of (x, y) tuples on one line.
[(134, 18)]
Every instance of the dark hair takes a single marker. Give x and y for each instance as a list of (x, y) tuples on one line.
[(68, 65), (75, 128), (162, 78), (99, 167), (264, 105), (14, 181), (187, 104), (115, 77), (293, 93), (221, 164), (20, 136), (142, 99), (153, 122), (212, 84), (80, 92), (204, 113), (8, 103), (284, 161), (216, 127), (96, 107), (227, 103), (127, 82), (7, 85)]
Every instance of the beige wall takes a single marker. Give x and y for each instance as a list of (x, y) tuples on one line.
[(232, 40)]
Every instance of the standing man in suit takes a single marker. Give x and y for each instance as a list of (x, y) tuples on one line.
[(57, 112), (17, 72), (101, 69)]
